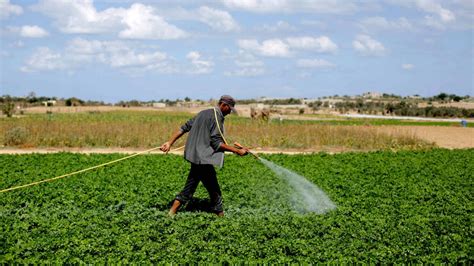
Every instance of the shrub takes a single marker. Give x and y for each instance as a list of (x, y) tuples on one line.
[(8, 109), (15, 136)]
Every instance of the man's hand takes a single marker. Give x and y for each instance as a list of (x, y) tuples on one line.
[(166, 147), (242, 152)]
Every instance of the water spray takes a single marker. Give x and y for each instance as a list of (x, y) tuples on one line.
[(307, 197)]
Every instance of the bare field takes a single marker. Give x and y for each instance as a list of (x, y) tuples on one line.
[(444, 137)]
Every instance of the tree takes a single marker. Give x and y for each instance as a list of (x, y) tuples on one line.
[(8, 108), (442, 96), (457, 98)]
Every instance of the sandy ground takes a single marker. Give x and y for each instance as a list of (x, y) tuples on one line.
[(444, 137)]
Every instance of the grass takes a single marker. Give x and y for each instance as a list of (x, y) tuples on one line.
[(142, 129)]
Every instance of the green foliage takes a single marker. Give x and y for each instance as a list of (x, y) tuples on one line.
[(402, 208), (8, 109), (446, 97), (402, 108), (74, 102)]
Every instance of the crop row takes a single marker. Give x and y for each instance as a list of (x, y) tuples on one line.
[(404, 207)]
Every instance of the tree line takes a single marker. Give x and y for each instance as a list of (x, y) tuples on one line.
[(402, 108)]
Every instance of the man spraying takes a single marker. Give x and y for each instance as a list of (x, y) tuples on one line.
[(204, 149)]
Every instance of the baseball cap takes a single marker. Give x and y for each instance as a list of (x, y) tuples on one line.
[(227, 99)]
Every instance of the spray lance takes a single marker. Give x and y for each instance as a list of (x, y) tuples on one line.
[(238, 145)]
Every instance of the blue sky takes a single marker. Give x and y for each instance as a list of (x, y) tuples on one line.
[(115, 50)]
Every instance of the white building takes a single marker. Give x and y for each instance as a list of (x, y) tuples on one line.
[(372, 95), (159, 105), (49, 103)]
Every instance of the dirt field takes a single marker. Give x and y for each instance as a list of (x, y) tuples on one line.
[(444, 137)]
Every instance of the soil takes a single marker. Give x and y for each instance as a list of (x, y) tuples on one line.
[(443, 137)]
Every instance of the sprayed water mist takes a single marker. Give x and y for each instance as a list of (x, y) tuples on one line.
[(308, 197)]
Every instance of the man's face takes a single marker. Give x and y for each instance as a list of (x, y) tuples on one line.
[(225, 109)]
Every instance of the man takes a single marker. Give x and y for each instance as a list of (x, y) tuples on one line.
[(205, 148)]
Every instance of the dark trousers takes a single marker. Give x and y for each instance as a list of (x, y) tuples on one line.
[(207, 175)]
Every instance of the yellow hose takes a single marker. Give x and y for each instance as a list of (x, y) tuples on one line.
[(83, 170), (104, 164)]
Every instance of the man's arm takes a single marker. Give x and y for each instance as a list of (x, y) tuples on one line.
[(184, 129), (225, 147), (167, 145)]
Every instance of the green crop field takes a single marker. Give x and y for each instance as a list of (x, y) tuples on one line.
[(403, 207)]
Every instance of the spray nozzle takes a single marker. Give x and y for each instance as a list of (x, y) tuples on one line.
[(240, 146)]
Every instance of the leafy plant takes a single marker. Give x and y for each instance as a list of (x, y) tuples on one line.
[(8, 109), (392, 208)]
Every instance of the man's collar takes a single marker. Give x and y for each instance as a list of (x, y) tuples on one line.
[(219, 111)]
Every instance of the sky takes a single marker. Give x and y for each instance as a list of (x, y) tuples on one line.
[(112, 50)]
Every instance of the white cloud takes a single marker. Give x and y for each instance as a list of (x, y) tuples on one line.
[(137, 22), (434, 23), (321, 45), (7, 9), (133, 59), (438, 16), (82, 46), (408, 66), (199, 65), (44, 59), (365, 45), (315, 23), (433, 7), (270, 48), (115, 54), (247, 65), (382, 24), (290, 6), (441, 16), (33, 32), (80, 16), (142, 23), (217, 19), (280, 26), (314, 63), (283, 48)]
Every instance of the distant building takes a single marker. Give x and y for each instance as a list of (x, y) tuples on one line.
[(159, 105), (308, 101), (371, 95), (191, 104), (49, 103)]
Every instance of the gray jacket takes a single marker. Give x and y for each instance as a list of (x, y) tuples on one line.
[(204, 140)]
